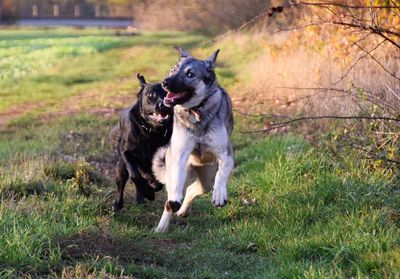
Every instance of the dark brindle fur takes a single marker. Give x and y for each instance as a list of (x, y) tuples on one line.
[(141, 130)]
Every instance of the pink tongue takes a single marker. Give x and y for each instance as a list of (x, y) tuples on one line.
[(172, 96)]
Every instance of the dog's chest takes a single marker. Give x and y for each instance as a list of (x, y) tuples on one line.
[(207, 147), (201, 155), (193, 120)]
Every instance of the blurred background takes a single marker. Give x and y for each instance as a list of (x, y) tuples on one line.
[(209, 16), (286, 57)]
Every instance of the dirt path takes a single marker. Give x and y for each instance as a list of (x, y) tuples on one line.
[(96, 101), (17, 111)]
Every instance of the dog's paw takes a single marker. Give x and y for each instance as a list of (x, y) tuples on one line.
[(150, 195), (158, 186), (219, 197), (183, 212), (163, 226), (145, 189), (161, 229), (117, 207), (139, 198), (172, 206)]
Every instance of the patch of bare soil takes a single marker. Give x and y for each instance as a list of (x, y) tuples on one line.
[(105, 168), (90, 245), (18, 110), (86, 102), (94, 101)]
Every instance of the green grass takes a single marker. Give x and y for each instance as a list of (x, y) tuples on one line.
[(295, 210), (49, 66)]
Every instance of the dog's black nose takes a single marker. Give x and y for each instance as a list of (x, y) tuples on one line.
[(165, 82)]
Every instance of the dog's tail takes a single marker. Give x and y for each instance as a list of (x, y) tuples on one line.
[(114, 135), (115, 138), (159, 168)]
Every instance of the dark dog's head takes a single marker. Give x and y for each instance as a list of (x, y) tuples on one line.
[(152, 108), (189, 81)]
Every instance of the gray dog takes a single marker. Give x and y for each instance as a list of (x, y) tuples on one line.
[(200, 154)]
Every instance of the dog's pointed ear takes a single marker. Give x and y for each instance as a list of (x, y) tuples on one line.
[(182, 53), (213, 57), (142, 80)]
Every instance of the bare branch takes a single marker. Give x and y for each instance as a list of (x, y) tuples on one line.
[(376, 30), (372, 156), (356, 62), (313, 88), (261, 115), (300, 27), (378, 62), (337, 4), (392, 91), (368, 98), (335, 117)]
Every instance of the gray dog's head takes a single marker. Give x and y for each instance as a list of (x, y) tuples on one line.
[(189, 81)]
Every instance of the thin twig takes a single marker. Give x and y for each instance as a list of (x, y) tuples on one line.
[(378, 62), (336, 4), (299, 27), (356, 62), (373, 156), (261, 115), (349, 92), (392, 91), (337, 117), (376, 30), (313, 88)]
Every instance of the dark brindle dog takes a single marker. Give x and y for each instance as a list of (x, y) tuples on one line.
[(141, 130)]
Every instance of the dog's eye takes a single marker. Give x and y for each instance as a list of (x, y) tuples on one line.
[(189, 74)]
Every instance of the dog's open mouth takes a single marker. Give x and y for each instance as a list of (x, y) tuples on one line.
[(159, 117), (174, 98)]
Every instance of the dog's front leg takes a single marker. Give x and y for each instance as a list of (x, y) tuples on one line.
[(176, 170), (177, 175), (141, 184), (225, 166)]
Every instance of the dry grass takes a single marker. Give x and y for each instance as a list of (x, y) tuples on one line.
[(284, 64), (206, 16)]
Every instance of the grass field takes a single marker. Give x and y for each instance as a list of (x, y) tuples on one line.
[(295, 210)]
